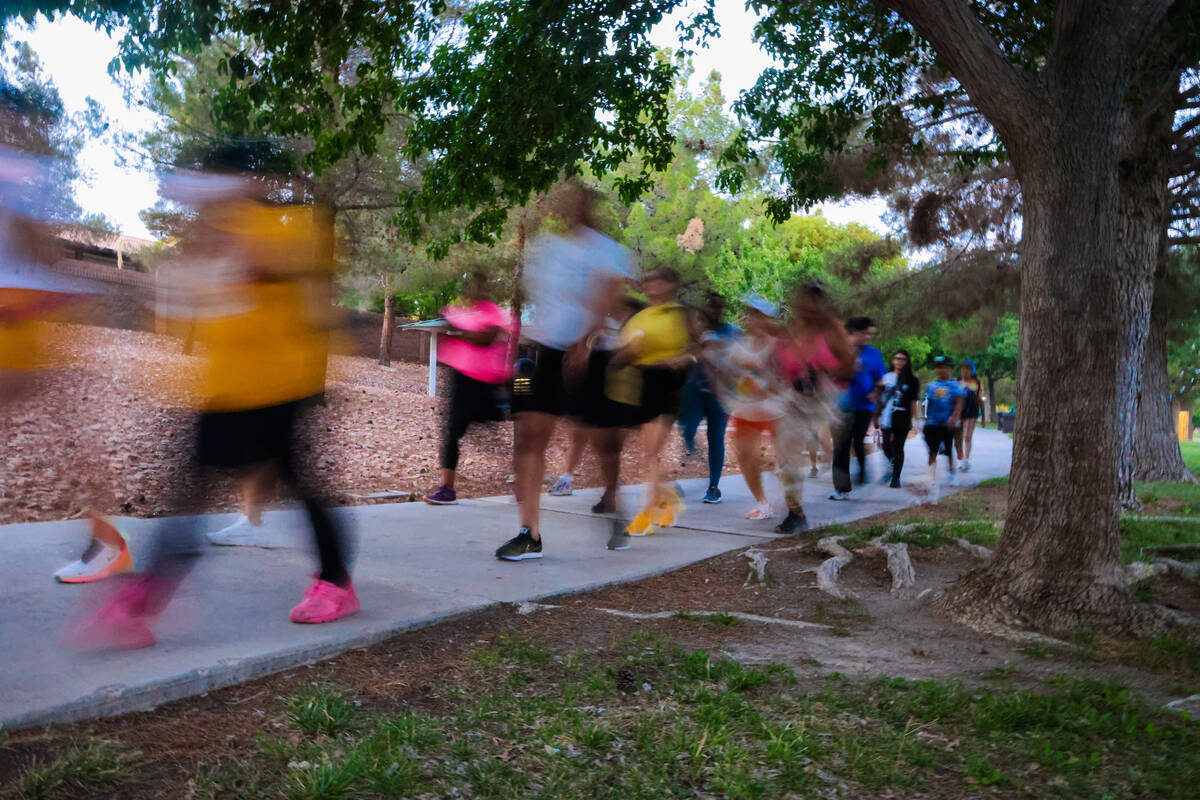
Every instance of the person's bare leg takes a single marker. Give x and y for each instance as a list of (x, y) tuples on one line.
[(654, 437), (580, 436), (447, 478), (968, 428), (607, 443), (748, 447), (534, 430), (958, 441), (258, 483)]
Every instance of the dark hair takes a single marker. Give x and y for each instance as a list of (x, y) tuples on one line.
[(813, 289), (906, 373), (668, 274), (856, 324), (633, 304)]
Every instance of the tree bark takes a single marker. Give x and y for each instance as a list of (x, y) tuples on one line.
[(1142, 209), (389, 326), (1156, 453), (990, 408)]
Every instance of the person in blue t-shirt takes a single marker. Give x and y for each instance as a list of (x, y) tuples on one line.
[(858, 406), (944, 400)]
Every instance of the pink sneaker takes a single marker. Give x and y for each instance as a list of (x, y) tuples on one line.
[(122, 624), (325, 602)]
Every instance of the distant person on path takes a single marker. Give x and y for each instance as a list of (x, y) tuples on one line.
[(899, 392), (813, 351), (857, 405), (571, 280), (965, 433), (701, 403), (646, 375), (944, 400), (476, 351)]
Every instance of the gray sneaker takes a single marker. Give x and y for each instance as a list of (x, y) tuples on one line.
[(620, 538)]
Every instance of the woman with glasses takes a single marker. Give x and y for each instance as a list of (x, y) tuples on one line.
[(898, 393)]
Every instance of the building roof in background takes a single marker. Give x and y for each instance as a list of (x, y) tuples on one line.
[(82, 235)]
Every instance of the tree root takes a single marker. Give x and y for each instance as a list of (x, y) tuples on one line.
[(898, 562), (827, 573), (530, 607), (758, 562), (979, 551), (1142, 570)]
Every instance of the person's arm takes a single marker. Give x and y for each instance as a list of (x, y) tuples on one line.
[(957, 415), (839, 343)]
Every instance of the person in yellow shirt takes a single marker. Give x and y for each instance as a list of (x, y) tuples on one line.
[(646, 376), (261, 293)]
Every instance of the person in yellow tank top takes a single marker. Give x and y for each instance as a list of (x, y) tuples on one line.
[(263, 333), (647, 375)]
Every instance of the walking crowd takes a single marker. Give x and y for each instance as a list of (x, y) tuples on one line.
[(253, 279)]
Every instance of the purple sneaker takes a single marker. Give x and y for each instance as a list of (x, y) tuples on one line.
[(442, 496)]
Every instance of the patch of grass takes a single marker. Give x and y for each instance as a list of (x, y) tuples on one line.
[(1138, 534), (1168, 653), (319, 710), (1001, 480), (1185, 497), (697, 724), (77, 769), (1191, 456), (1036, 651)]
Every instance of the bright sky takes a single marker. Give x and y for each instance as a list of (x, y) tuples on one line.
[(76, 56)]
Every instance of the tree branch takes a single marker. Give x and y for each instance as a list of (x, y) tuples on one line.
[(1008, 97)]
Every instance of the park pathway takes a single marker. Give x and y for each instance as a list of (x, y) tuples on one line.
[(416, 565)]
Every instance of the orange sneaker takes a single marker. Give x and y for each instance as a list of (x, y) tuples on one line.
[(641, 525), (100, 560)]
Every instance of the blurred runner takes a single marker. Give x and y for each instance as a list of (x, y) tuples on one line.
[(476, 351), (750, 384), (813, 352), (699, 402), (259, 277), (29, 294), (646, 376), (571, 281)]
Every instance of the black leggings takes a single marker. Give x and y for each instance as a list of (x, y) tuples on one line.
[(470, 401), (852, 434), (893, 442), (178, 541)]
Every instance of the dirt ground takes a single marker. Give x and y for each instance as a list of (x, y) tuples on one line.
[(107, 429), (880, 633)]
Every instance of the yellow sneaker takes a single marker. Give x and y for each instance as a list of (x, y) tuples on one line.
[(669, 509), (641, 525)]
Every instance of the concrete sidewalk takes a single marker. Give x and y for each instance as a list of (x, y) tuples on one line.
[(416, 565)]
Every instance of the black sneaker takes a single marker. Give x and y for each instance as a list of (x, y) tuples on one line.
[(520, 547), (605, 506), (620, 539), (895, 484), (792, 523)]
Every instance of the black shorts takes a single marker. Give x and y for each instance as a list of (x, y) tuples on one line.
[(592, 405), (233, 439), (662, 390), (543, 390), (939, 439)]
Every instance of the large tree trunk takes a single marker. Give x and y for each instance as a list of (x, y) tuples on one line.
[(989, 410), (1057, 567), (1156, 454), (389, 326)]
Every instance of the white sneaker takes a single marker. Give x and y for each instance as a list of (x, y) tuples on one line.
[(839, 496), (953, 479), (760, 511), (99, 561), (244, 533), (562, 487)]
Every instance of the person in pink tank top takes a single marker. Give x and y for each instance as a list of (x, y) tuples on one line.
[(475, 347)]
